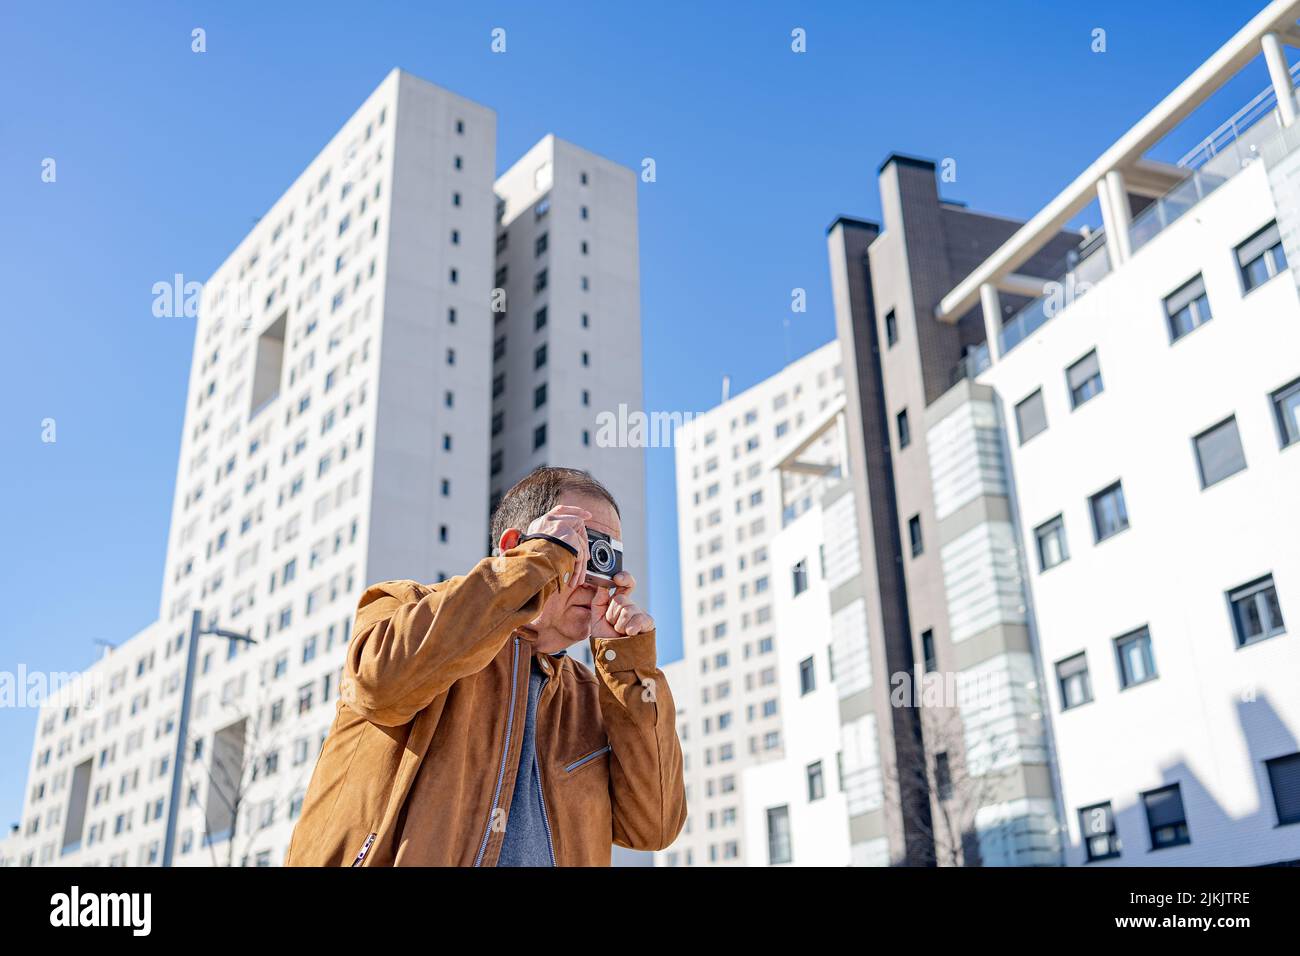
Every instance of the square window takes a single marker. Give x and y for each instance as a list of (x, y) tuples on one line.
[(1052, 548), (1286, 409), (1084, 379), (1073, 680), (1031, 416), (1137, 663), (1261, 257), (1219, 453), (1109, 512), (1166, 819), (1256, 613), (1097, 824), (1187, 308), (539, 436), (1284, 778)]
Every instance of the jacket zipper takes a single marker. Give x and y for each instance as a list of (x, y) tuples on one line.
[(541, 796), (583, 761), (505, 755), (365, 848)]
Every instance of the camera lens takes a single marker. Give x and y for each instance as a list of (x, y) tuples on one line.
[(602, 556)]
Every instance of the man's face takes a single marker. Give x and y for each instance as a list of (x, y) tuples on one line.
[(566, 617)]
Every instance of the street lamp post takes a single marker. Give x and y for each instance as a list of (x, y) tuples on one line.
[(183, 729)]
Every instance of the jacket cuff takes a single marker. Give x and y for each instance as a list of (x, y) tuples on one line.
[(538, 536), (615, 654), (561, 557)]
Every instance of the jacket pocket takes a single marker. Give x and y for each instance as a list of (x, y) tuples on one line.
[(365, 848), (583, 761)]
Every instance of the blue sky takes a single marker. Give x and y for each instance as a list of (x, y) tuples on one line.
[(166, 157)]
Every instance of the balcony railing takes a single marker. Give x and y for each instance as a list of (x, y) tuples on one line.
[(1261, 106), (1070, 279)]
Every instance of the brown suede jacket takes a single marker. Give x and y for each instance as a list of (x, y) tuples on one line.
[(419, 766)]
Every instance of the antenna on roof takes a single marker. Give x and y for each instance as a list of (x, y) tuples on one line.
[(726, 387)]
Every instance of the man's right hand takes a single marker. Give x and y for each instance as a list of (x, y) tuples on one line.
[(569, 525)]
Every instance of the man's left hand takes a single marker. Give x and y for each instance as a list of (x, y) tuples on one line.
[(614, 615)]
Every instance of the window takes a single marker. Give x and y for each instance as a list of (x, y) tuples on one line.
[(914, 534), (1137, 663), (807, 677), (816, 782), (1219, 453), (891, 328), (904, 432), (1187, 308), (1109, 514), (498, 385), (1097, 824), (539, 436), (1073, 681), (539, 356), (1051, 543), (1166, 820), (778, 835), (539, 396), (539, 281), (1261, 257), (800, 574), (1031, 416), (943, 776), (539, 244), (1284, 778), (927, 652), (1084, 379), (539, 319), (1286, 408), (1256, 613)]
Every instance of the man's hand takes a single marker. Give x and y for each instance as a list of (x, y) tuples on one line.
[(569, 525), (614, 616)]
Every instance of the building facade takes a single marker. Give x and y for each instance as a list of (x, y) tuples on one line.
[(340, 430), (729, 511), (1075, 447)]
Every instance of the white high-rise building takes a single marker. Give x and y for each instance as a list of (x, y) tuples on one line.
[(566, 258), (338, 432), (729, 510)]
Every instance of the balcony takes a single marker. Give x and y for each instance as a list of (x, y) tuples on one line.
[(1067, 281)]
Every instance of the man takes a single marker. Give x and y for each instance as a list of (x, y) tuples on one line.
[(466, 736)]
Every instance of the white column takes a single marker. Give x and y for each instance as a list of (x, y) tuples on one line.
[(1108, 222), (1281, 77), (991, 306), (1119, 212)]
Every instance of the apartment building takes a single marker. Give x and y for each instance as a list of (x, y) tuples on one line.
[(339, 430), (1076, 450), (729, 510), (567, 262), (797, 808)]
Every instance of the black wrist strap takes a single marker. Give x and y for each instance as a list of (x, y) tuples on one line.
[(549, 537)]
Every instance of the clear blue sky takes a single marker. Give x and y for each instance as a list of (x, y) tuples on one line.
[(166, 158)]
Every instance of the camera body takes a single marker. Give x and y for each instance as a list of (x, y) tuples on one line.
[(604, 556)]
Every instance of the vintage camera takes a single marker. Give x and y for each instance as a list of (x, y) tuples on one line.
[(605, 556)]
